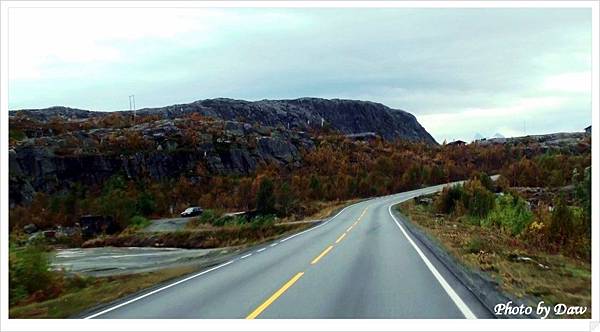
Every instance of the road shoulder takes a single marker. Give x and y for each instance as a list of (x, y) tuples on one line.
[(483, 288)]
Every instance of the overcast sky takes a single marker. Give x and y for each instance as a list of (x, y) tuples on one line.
[(459, 71)]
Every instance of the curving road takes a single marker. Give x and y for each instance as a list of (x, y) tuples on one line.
[(361, 263)]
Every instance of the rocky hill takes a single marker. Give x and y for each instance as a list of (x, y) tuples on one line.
[(55, 148), (346, 116)]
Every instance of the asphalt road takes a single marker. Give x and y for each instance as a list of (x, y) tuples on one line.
[(361, 263)]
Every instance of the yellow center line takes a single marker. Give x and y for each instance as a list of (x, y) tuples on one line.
[(274, 297), (340, 238), (314, 261)]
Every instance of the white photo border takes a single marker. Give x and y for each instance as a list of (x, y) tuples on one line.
[(295, 324)]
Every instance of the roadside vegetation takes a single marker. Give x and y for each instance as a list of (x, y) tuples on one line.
[(58, 295), (539, 251), (277, 196)]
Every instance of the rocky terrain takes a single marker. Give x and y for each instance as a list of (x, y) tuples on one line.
[(160, 149), (547, 141), (52, 149), (346, 116)]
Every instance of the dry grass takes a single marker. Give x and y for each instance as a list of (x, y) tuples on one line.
[(565, 280), (102, 290), (217, 237)]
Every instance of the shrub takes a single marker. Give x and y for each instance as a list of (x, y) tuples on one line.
[(584, 195), (263, 220), (446, 202), (478, 200), (561, 223), (511, 213), (475, 245), (265, 198), (139, 222), (208, 217), (486, 181), (472, 198), (29, 273)]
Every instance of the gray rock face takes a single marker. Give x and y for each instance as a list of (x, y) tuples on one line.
[(346, 116), (239, 137), (45, 114), (226, 148)]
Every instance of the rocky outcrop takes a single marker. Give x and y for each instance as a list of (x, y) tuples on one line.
[(59, 146), (45, 114), (163, 151), (346, 116)]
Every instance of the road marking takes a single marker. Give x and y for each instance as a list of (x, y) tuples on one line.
[(323, 224), (464, 309), (246, 256), (340, 238), (318, 258), (273, 244), (363, 213), (214, 268), (157, 290), (349, 228), (274, 297), (261, 249)]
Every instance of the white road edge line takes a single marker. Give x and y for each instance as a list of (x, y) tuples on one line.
[(462, 306), (246, 256), (211, 269), (274, 244), (157, 290)]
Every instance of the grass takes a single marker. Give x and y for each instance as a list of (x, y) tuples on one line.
[(215, 237), (566, 280), (101, 290)]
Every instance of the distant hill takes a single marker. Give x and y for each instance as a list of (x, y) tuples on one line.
[(346, 116)]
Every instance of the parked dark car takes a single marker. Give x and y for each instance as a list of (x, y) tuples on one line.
[(191, 212)]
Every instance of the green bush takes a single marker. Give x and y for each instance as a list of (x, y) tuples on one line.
[(229, 221), (446, 202), (584, 196), (29, 272), (486, 181), (475, 245), (263, 220), (139, 222), (510, 213), (562, 222), (473, 198), (208, 217), (478, 200)]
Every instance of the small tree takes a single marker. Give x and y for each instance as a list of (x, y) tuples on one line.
[(316, 189), (561, 224), (285, 199), (265, 198)]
